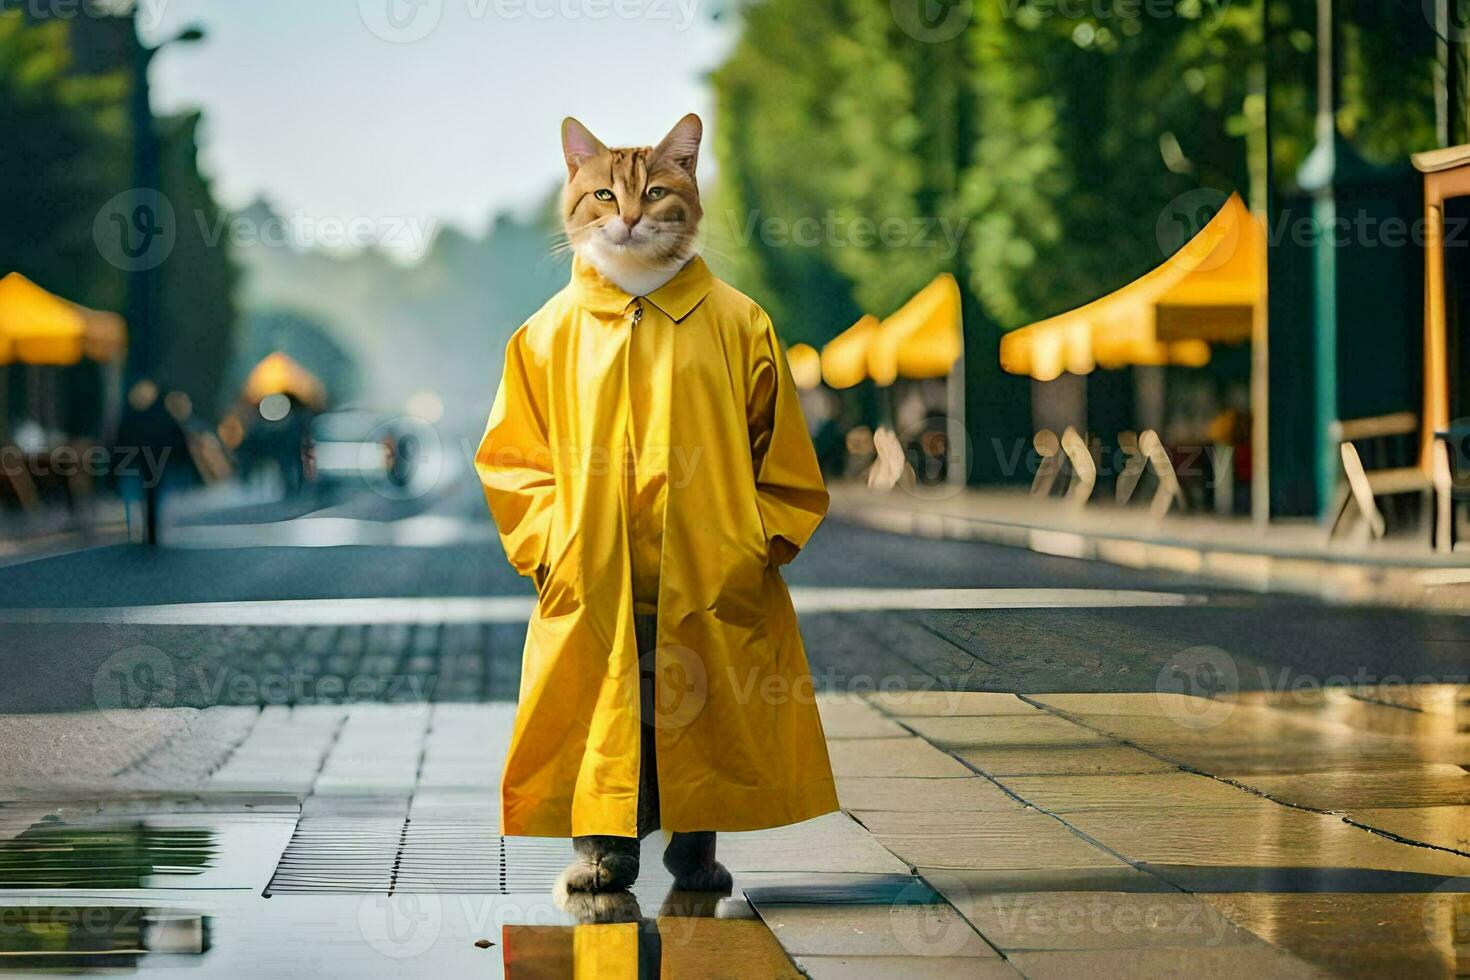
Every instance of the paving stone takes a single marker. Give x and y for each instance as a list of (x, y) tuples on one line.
[(1022, 839), (1037, 729), (959, 884), (1442, 826), (1222, 962), (908, 967), (973, 793), (1015, 922), (1065, 794), (852, 717), (1080, 760), (896, 930), (950, 703), (1411, 935), (1266, 836), (891, 757), (830, 843), (1424, 785)]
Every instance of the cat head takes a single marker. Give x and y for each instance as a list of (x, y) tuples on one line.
[(632, 204)]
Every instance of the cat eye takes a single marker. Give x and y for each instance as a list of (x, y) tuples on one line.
[(654, 193), (603, 195)]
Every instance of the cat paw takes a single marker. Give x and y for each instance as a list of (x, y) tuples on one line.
[(600, 907), (712, 877), (610, 873)]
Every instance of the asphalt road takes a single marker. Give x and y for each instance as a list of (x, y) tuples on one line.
[(444, 546)]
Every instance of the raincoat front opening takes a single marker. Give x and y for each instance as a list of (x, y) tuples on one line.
[(739, 742)]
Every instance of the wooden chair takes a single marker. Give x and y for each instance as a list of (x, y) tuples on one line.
[(1384, 475)]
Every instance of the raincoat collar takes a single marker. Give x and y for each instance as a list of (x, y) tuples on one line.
[(676, 298)]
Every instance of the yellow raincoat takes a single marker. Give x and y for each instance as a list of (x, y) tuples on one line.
[(739, 743)]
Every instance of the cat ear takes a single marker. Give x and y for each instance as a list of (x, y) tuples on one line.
[(578, 143), (681, 146)]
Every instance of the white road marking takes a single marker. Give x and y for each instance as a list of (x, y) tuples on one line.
[(517, 609)]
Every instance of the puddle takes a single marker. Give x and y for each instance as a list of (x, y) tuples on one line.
[(96, 937), (52, 854)]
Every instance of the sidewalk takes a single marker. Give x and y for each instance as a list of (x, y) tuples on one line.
[(1289, 556), (983, 835)]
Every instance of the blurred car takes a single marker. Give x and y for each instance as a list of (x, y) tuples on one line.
[(359, 445)]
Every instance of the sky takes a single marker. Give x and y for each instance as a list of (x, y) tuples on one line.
[(412, 114)]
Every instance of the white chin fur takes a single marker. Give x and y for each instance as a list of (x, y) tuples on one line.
[(624, 269)]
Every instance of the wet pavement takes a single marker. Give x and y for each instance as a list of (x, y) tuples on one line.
[(983, 834), (274, 747)]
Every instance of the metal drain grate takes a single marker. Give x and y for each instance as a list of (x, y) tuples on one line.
[(329, 855)]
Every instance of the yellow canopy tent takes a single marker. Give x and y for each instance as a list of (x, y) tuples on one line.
[(37, 327), (1217, 302), (805, 364), (279, 374), (41, 328), (922, 339), (845, 358), (1122, 328)]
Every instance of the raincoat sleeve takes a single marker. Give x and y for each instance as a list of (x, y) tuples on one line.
[(514, 461), (789, 488)]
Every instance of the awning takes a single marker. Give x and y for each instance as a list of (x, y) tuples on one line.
[(279, 374), (923, 339), (1202, 284), (1217, 301), (805, 364), (41, 328), (845, 358)]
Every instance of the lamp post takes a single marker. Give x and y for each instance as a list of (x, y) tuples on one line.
[(143, 282)]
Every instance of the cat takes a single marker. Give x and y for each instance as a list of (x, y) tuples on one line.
[(633, 213)]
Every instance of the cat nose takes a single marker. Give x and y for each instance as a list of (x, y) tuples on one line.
[(632, 222)]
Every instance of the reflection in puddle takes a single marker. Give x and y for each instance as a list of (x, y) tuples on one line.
[(669, 946), (96, 937), (52, 854)]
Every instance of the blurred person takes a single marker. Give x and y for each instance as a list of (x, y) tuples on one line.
[(648, 467), (151, 456)]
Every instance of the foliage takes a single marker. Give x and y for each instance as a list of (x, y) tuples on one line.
[(1055, 139)]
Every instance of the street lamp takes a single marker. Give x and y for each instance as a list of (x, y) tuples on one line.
[(143, 283)]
